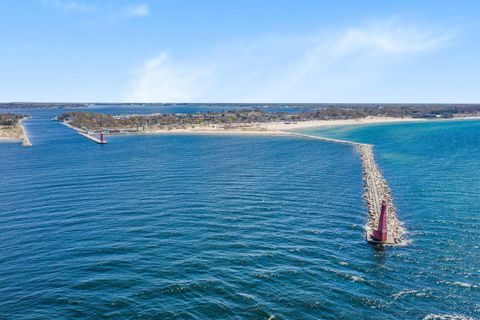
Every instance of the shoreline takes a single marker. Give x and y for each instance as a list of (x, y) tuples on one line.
[(25, 140), (17, 133), (339, 122), (272, 128), (362, 121)]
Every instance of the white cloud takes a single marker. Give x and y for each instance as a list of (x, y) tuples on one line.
[(113, 11), (69, 5), (389, 37), (159, 80), (139, 10), (319, 67)]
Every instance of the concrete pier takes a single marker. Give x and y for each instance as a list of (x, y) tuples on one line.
[(93, 138), (376, 190), (85, 134), (25, 140), (324, 139)]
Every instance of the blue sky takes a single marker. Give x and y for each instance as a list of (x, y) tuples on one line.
[(240, 51)]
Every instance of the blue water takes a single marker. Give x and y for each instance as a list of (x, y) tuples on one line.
[(211, 227)]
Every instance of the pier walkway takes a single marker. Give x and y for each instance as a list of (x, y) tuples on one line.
[(25, 140), (309, 136), (93, 138), (85, 134)]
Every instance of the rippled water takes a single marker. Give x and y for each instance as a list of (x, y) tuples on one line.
[(200, 227), (434, 171)]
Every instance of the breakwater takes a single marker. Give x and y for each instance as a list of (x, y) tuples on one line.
[(85, 134), (25, 140), (324, 139), (376, 189), (91, 137)]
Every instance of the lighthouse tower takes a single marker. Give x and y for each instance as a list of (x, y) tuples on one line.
[(381, 234)]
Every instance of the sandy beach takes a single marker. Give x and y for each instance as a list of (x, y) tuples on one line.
[(276, 128), (267, 128), (10, 133), (327, 123), (272, 128), (15, 133)]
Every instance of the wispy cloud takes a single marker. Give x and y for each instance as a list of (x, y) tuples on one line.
[(390, 37), (113, 11), (317, 67), (69, 5), (160, 80), (138, 10)]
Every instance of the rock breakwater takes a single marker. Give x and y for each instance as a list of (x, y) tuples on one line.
[(376, 189)]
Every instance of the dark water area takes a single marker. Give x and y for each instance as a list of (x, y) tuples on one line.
[(228, 227)]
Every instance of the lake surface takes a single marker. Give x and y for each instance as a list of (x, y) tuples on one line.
[(226, 227)]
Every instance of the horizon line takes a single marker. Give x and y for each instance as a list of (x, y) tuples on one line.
[(242, 103)]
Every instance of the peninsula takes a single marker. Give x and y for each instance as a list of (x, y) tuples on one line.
[(11, 128), (256, 120)]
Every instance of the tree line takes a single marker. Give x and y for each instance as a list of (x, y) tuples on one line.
[(92, 120), (10, 119)]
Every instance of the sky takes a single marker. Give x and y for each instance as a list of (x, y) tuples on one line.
[(249, 51)]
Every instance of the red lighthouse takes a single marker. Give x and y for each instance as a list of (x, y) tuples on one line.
[(381, 234)]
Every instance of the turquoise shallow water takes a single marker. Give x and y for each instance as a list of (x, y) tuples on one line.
[(200, 227)]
